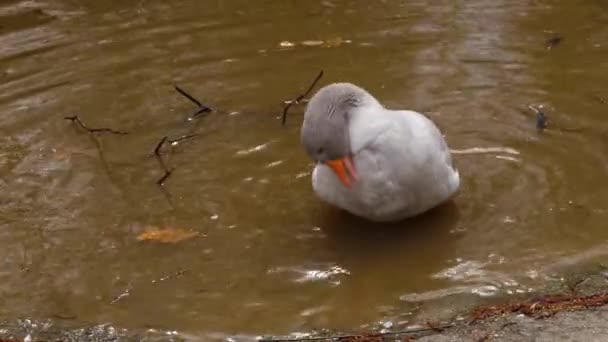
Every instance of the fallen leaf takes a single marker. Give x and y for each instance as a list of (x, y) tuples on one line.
[(166, 235)]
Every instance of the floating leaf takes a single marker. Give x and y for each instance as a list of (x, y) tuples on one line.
[(166, 235)]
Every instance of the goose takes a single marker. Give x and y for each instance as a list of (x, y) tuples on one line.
[(380, 164)]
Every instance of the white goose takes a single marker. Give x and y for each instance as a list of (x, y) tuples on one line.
[(381, 164)]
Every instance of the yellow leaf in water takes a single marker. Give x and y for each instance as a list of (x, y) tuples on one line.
[(166, 235)]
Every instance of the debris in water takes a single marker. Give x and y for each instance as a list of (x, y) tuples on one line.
[(161, 161), (601, 99), (300, 98), (176, 141), (541, 118), (166, 235), (75, 119), (554, 41), (201, 107)]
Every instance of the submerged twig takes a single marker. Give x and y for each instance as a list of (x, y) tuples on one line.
[(300, 98), (79, 122), (553, 42), (159, 157), (157, 153), (201, 107), (161, 180), (600, 99), (542, 122), (182, 138), (541, 118)]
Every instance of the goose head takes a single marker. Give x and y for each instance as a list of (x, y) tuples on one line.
[(325, 132)]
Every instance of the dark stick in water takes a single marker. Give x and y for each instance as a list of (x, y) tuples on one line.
[(299, 98), (79, 122), (157, 150), (541, 119), (161, 180), (553, 42), (201, 107), (168, 171), (159, 157), (182, 138)]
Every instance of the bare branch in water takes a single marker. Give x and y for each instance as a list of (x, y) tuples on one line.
[(159, 146), (182, 138), (161, 180), (201, 107), (79, 122), (300, 98), (157, 153), (188, 96), (159, 157)]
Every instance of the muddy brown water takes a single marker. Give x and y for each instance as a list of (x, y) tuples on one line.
[(270, 258)]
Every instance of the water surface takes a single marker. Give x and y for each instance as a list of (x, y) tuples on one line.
[(270, 258)]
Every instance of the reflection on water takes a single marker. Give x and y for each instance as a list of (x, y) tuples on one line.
[(270, 257)]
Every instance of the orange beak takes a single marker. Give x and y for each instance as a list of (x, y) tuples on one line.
[(345, 170)]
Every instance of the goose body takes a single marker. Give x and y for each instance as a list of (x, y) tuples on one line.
[(397, 163)]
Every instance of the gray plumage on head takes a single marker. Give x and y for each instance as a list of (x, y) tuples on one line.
[(325, 131)]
